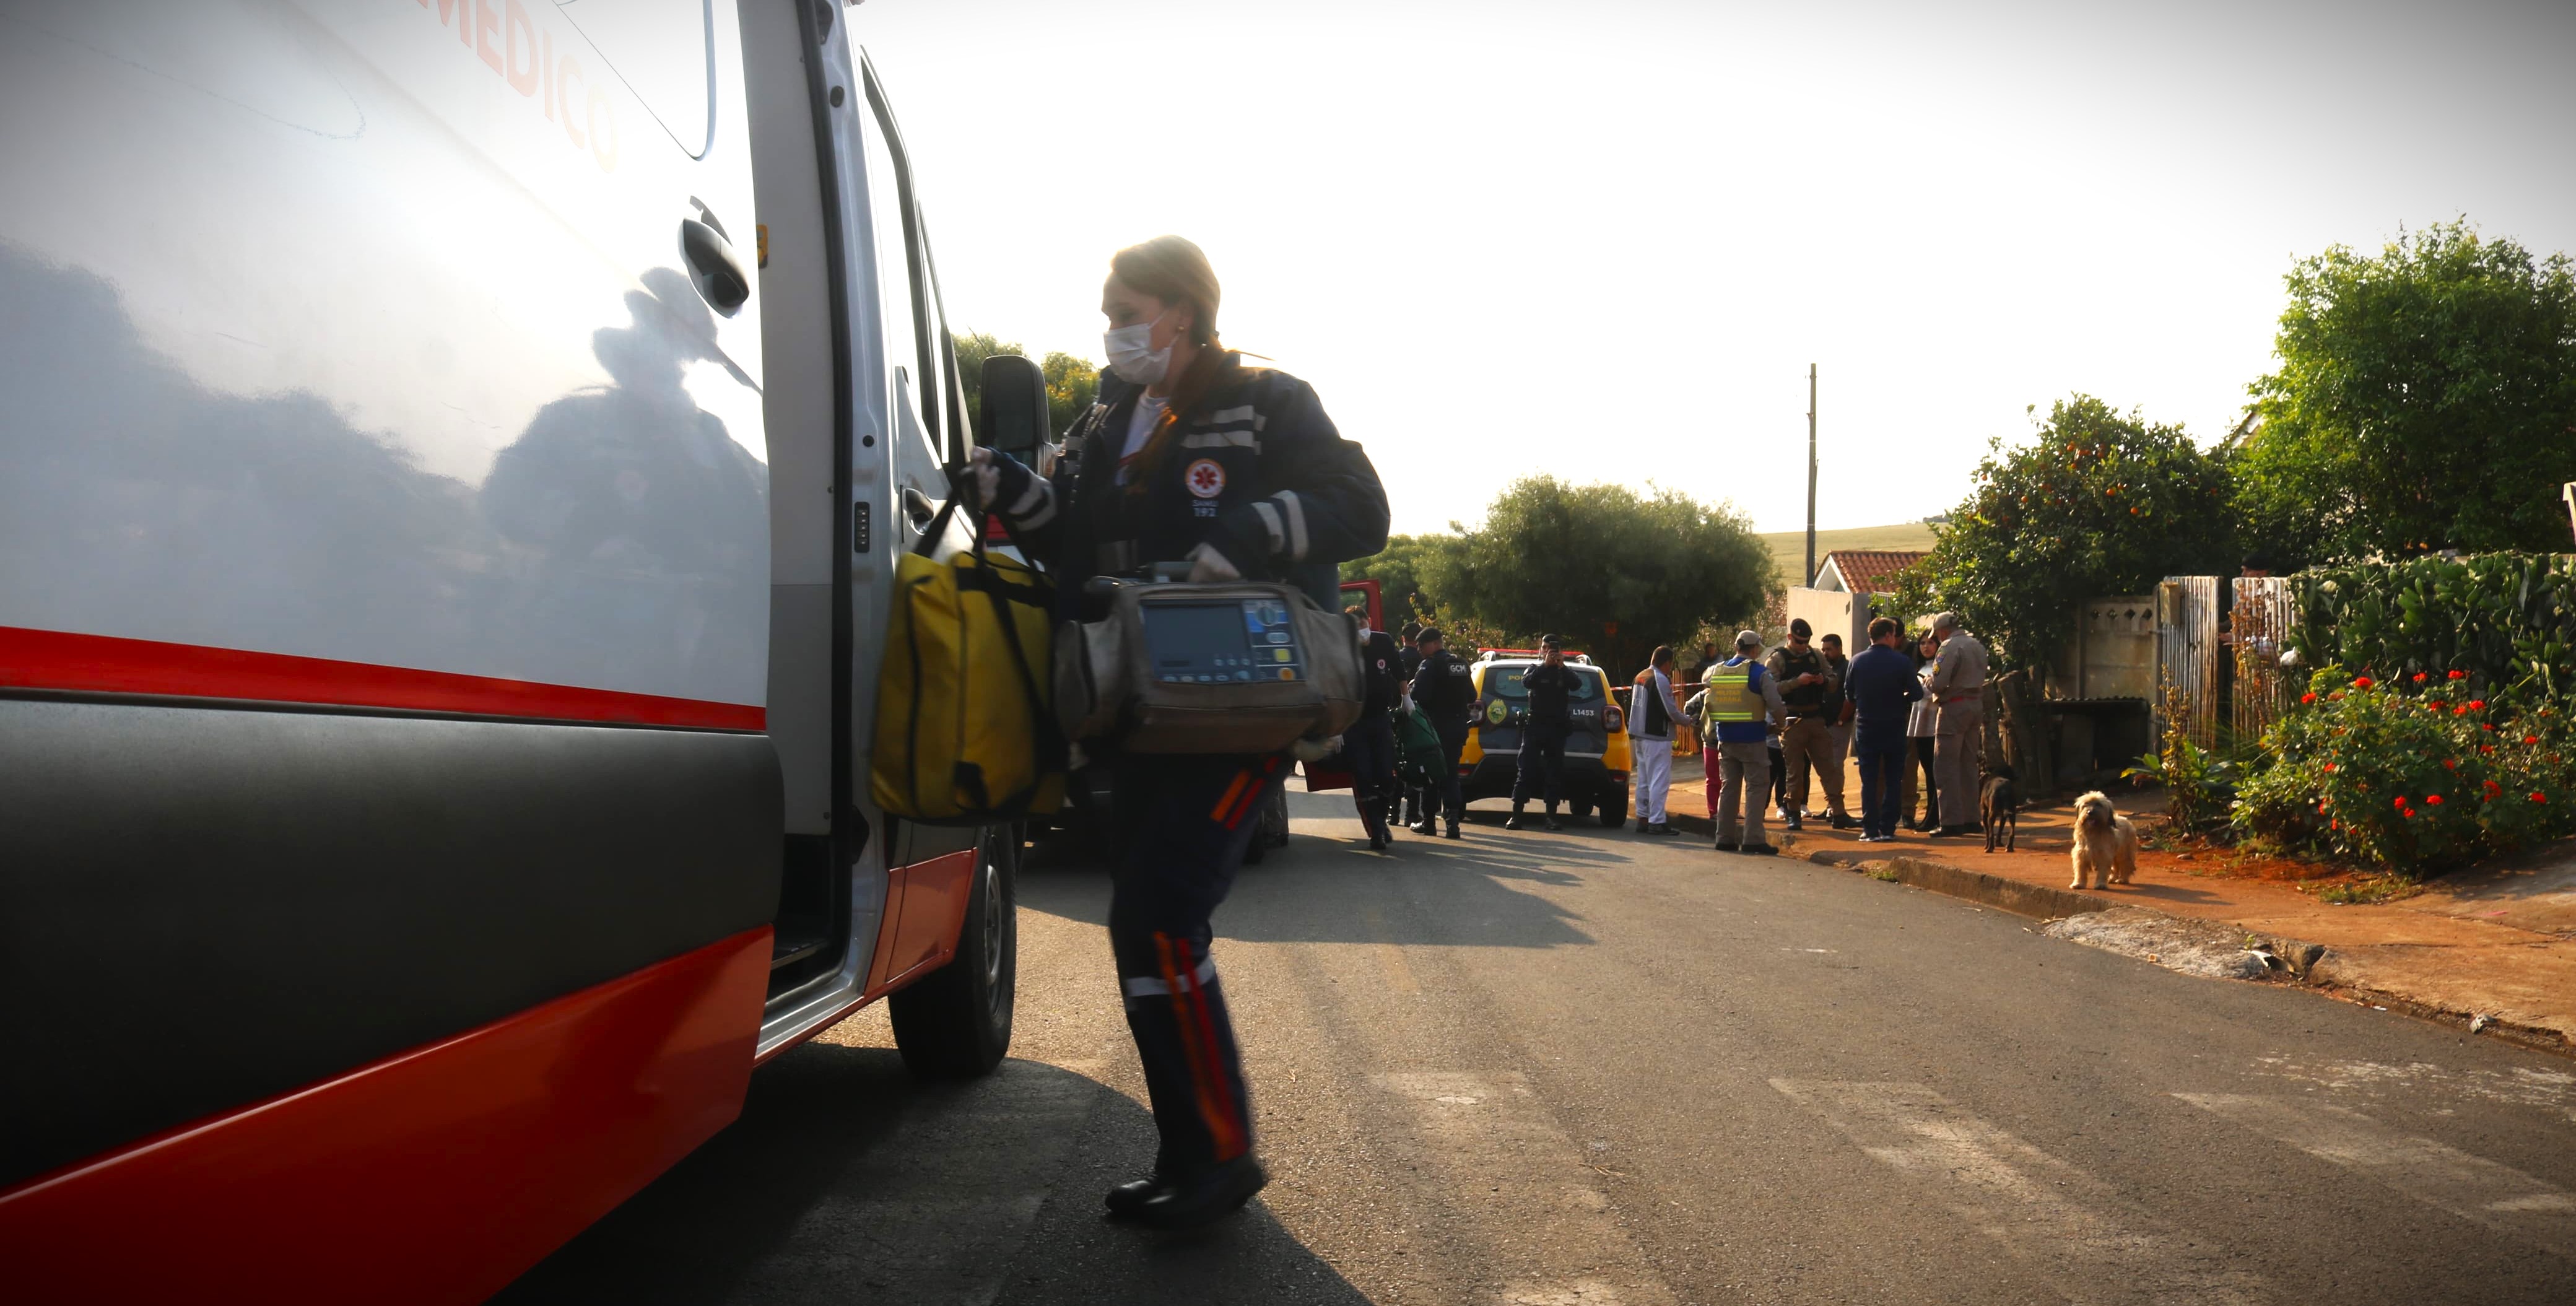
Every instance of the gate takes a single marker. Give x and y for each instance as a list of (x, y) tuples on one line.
[(2196, 674), (2186, 655), (2259, 629)]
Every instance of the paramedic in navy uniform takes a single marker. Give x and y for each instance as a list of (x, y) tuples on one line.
[(1190, 454)]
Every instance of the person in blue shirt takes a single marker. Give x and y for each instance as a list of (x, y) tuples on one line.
[(1742, 703), (1880, 683)]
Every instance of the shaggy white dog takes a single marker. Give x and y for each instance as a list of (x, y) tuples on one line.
[(2106, 845)]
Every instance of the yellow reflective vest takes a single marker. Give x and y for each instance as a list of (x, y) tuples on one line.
[(1731, 695)]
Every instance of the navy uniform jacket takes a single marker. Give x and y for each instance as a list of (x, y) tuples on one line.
[(1551, 694), (1258, 472), (1444, 688), (1880, 682)]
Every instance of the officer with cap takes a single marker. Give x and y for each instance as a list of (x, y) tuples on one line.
[(1548, 719), (1743, 706), (1445, 689)]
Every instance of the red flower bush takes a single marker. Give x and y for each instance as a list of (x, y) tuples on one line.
[(2365, 772)]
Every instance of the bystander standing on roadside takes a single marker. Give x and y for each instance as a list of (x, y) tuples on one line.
[(1880, 684), (1777, 795), (1918, 741), (1959, 736), (1651, 714), (1838, 705), (1743, 702), (1806, 737)]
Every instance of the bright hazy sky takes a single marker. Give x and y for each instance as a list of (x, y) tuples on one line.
[(1605, 239)]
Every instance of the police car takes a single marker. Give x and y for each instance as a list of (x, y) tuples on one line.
[(1596, 749)]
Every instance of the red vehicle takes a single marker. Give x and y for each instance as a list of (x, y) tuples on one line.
[(449, 491), (1363, 598)]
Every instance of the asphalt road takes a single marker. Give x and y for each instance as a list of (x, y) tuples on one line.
[(1593, 1068)]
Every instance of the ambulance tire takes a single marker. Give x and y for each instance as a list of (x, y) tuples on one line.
[(955, 1023), (1614, 808), (1270, 828), (1580, 809)]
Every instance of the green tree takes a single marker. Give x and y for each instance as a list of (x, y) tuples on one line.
[(1399, 571), (973, 347), (1071, 384), (2426, 399), (1604, 567), (2099, 503)]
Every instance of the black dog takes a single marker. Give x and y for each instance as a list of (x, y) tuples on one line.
[(1999, 807)]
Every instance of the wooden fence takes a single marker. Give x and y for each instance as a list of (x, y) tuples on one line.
[(2236, 681), (2186, 653), (2259, 630)]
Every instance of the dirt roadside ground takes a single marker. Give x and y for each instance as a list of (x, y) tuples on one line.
[(2498, 942)]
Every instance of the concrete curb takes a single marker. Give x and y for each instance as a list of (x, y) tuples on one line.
[(2037, 901), (2309, 965)]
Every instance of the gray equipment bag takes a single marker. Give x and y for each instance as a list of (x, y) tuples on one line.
[(1239, 667)]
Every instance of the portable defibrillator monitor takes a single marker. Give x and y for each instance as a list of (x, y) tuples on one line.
[(1223, 642)]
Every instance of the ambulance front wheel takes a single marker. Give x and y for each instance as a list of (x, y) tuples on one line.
[(955, 1023), (1270, 828)]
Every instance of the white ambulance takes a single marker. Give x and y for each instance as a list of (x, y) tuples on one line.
[(452, 458)]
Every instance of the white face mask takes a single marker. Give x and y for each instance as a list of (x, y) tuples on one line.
[(1130, 358)]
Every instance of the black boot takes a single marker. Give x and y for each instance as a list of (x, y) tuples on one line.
[(1513, 821), (1453, 831), (1190, 1201), (1552, 822)]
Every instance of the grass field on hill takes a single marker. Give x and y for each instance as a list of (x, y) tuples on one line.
[(1789, 548)]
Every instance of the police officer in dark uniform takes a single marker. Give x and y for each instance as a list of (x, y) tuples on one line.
[(1190, 454), (1546, 722), (1408, 662), (1368, 747), (1445, 689)]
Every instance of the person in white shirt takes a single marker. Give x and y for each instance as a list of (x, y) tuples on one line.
[(1652, 710), (1919, 731)]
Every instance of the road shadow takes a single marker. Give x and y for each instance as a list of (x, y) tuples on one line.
[(1965, 857), (847, 1180), (1327, 887)]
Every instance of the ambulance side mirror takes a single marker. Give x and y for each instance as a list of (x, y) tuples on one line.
[(1013, 419)]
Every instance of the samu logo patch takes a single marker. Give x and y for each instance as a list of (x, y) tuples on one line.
[(1206, 478)]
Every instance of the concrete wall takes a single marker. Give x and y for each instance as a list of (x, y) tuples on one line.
[(1833, 610), (2113, 654)]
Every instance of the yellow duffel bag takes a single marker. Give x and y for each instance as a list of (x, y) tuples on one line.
[(966, 731)]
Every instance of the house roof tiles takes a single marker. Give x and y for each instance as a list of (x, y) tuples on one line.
[(1870, 571)]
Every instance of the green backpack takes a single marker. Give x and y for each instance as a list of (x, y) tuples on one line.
[(1418, 755)]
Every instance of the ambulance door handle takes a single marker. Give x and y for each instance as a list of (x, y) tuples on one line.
[(919, 508), (720, 274)]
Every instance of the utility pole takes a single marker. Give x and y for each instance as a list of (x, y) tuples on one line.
[(1810, 577)]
